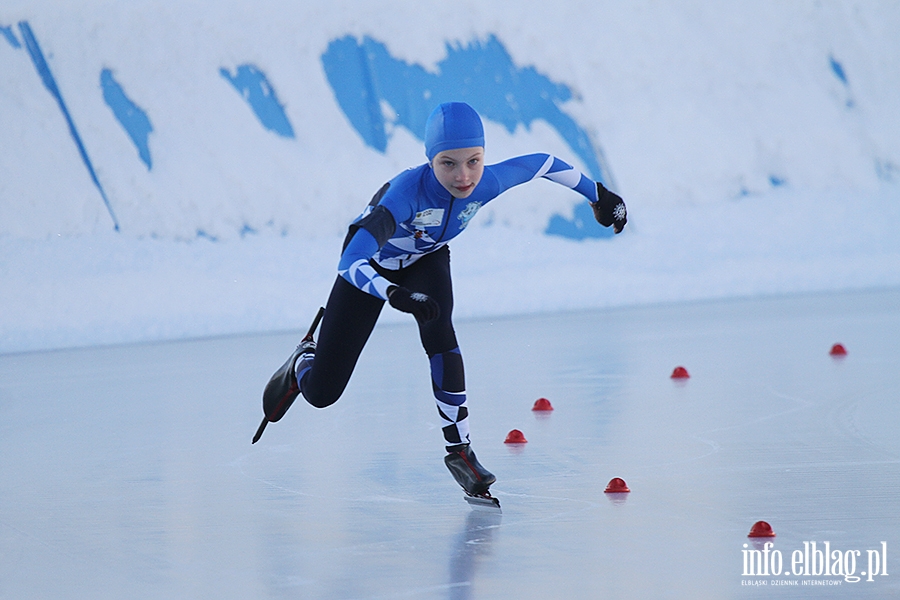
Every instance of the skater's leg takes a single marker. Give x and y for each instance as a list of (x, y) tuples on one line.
[(431, 275), (448, 384), (350, 316)]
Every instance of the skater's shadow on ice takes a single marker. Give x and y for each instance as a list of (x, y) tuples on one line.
[(474, 541)]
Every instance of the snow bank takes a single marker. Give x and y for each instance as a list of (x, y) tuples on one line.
[(171, 171)]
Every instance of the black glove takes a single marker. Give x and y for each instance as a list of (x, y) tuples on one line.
[(609, 209), (423, 307)]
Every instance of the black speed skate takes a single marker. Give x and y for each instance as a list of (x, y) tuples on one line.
[(283, 389), (471, 475)]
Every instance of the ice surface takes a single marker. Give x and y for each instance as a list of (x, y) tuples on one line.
[(128, 471)]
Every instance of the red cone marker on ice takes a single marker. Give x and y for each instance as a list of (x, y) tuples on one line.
[(680, 373), (838, 350), (515, 437), (616, 485), (542, 404), (761, 529)]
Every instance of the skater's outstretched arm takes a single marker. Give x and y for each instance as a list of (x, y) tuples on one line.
[(609, 209)]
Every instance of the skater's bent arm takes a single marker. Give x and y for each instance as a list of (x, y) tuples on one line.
[(354, 265)]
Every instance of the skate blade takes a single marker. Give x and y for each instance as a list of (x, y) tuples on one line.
[(483, 503)]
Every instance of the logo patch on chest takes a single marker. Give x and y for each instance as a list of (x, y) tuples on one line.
[(466, 214), (430, 217)]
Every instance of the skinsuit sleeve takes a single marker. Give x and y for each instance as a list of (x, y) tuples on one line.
[(523, 169), (366, 236)]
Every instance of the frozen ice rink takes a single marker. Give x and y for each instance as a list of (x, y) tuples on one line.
[(127, 472)]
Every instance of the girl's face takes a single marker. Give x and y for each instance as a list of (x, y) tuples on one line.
[(460, 170)]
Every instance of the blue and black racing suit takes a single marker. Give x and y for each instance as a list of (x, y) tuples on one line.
[(401, 239)]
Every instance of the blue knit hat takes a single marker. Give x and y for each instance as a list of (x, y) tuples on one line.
[(450, 126)]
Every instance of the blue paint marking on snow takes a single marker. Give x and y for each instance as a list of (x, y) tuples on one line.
[(255, 88), (363, 75), (43, 69), (130, 116), (838, 70), (583, 225), (7, 32)]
